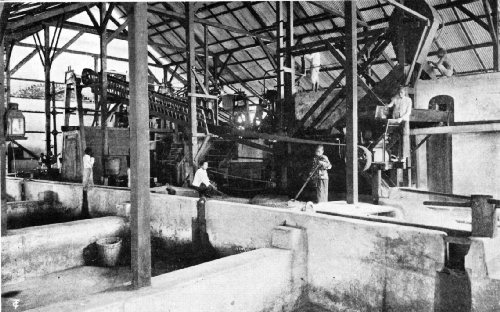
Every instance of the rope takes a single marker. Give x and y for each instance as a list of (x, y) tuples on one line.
[(237, 177)]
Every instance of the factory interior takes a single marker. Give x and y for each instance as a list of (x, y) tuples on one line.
[(250, 156)]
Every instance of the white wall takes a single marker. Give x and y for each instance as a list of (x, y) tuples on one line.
[(475, 156)]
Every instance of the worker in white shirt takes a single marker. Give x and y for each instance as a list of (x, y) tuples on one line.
[(88, 164), (201, 182), (401, 114)]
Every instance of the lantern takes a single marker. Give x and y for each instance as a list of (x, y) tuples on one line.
[(16, 126)]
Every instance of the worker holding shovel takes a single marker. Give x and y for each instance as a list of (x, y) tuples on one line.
[(319, 174)]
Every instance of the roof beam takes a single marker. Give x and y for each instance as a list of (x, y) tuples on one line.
[(107, 16), (92, 19), (117, 32), (473, 17), (181, 18), (25, 60), (47, 15), (335, 12), (66, 45), (467, 36), (406, 9), (121, 59)]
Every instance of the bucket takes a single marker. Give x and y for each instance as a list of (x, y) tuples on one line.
[(108, 250), (112, 166)]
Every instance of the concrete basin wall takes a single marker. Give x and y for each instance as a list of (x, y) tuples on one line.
[(66, 196), (256, 281), (39, 250), (351, 264), (171, 215)]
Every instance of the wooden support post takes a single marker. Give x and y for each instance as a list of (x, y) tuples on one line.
[(280, 13), (166, 69), (400, 39), (351, 70), (376, 184), (205, 50), (406, 152), (3, 158), (46, 50), (104, 89), (199, 229), (67, 103), (496, 27), (217, 63), (289, 76), (139, 146), (79, 106), (280, 101), (484, 216), (8, 50), (191, 86), (54, 118), (96, 95)]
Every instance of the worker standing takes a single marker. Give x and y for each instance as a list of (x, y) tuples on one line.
[(88, 164), (401, 114), (320, 174)]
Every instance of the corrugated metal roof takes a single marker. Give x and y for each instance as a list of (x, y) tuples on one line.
[(313, 24)]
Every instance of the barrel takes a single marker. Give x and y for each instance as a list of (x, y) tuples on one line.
[(112, 166)]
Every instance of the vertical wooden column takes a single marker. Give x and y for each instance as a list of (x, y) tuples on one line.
[(216, 64), (496, 26), (376, 184), (484, 216), (96, 96), (46, 34), (3, 158), (205, 50), (139, 146), (165, 75), (104, 88), (191, 86), (79, 107), (8, 50), (406, 151), (67, 103), (400, 38), (280, 78), (401, 61), (351, 69), (54, 116), (282, 151), (289, 75)]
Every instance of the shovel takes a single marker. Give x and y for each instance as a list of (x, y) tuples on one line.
[(307, 181)]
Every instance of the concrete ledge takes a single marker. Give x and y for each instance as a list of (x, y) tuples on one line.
[(255, 281), (483, 267), (39, 250)]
